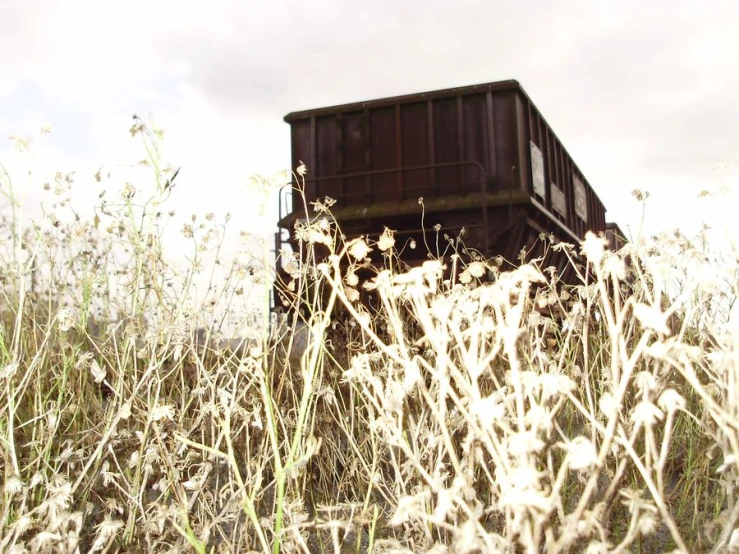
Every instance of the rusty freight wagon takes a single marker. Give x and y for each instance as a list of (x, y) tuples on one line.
[(482, 158)]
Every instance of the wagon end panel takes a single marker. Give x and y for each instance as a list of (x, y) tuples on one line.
[(555, 183)]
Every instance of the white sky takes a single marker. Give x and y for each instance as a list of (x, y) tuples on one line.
[(642, 94)]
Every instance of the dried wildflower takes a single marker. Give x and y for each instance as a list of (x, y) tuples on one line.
[(21, 525), (647, 523), (411, 376), (598, 547), (133, 460), (13, 485), (36, 480), (313, 234), (526, 274), (128, 192), (607, 405), (162, 411), (635, 501), (107, 476), (351, 278), (301, 170), (195, 483), (20, 144), (322, 207), (734, 541), (394, 397), (255, 351), (730, 461), (106, 530), (614, 267), (359, 249), (477, 269), (660, 268), (9, 370), (553, 385), (645, 382), (581, 453), (652, 317), (44, 541), (97, 372), (256, 421), (225, 398), (125, 410), (408, 507), (52, 418), (387, 240), (646, 413), (594, 247), (137, 127), (524, 443), (65, 319), (524, 489), (658, 350), (488, 410), (57, 501), (671, 400), (539, 419), (640, 195)]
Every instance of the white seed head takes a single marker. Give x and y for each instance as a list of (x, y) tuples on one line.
[(359, 249), (581, 453)]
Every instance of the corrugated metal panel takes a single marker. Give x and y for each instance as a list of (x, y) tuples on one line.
[(537, 171), (581, 199), (559, 203)]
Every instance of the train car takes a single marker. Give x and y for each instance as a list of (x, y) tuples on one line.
[(615, 236), (479, 157)]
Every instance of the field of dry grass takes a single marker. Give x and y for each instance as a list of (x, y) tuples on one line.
[(473, 410)]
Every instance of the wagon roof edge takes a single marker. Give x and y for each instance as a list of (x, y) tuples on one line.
[(510, 84)]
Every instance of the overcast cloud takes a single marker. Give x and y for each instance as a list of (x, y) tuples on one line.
[(642, 94)]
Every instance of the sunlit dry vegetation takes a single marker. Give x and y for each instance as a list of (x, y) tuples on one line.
[(457, 406)]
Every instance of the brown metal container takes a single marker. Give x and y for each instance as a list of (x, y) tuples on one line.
[(481, 157), (615, 236)]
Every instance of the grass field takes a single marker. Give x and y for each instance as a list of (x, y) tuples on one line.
[(464, 409)]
